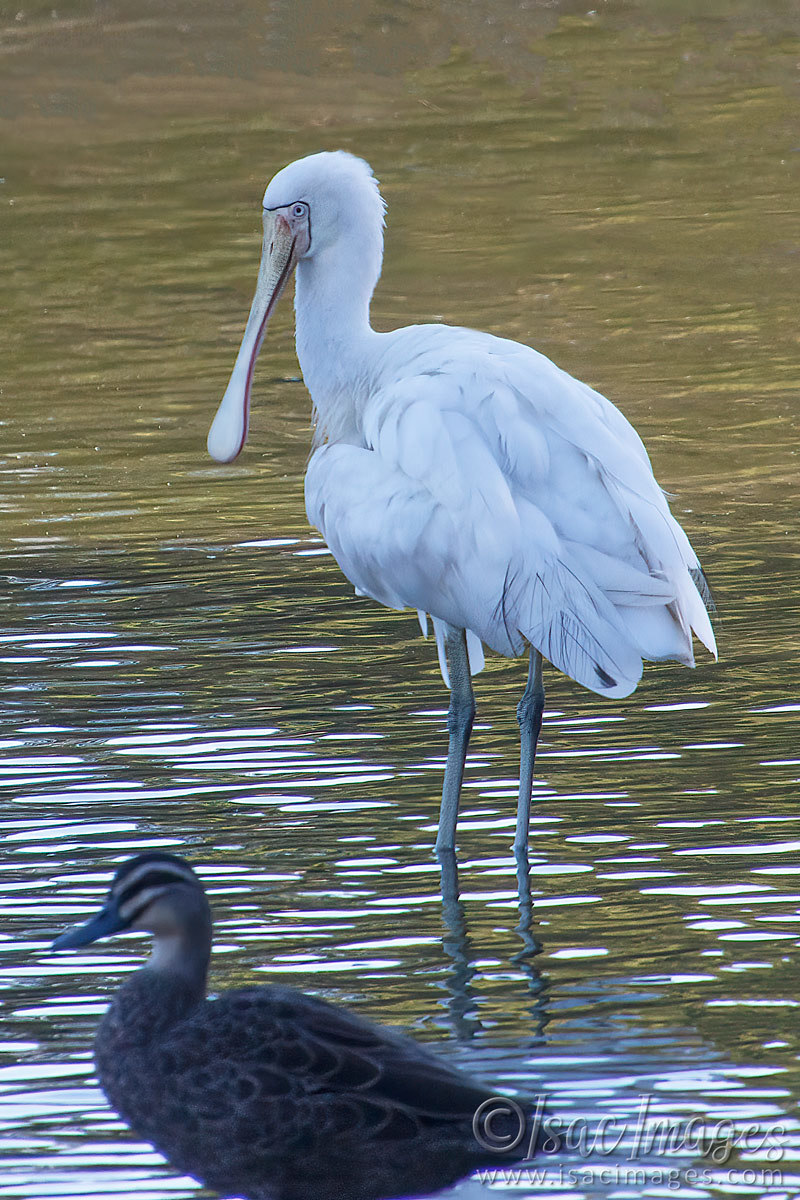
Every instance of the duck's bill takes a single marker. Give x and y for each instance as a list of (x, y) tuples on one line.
[(228, 432), (107, 921)]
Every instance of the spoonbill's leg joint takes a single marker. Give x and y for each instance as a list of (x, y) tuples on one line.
[(529, 715), (460, 716)]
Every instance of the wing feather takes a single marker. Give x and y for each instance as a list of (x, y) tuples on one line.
[(500, 495)]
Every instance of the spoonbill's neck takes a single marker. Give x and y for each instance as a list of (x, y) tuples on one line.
[(336, 345)]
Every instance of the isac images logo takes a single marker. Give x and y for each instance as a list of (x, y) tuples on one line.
[(630, 1152)]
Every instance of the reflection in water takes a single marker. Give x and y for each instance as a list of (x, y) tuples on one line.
[(531, 946), (457, 947), (615, 187), (209, 742), (456, 944)]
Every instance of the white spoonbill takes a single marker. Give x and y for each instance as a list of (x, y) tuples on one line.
[(465, 476)]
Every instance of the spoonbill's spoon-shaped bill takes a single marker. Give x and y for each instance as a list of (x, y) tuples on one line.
[(285, 238), (466, 476)]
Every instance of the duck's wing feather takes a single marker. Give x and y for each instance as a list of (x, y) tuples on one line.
[(268, 1084)]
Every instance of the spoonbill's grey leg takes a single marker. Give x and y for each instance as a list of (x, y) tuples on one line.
[(460, 716), (529, 715)]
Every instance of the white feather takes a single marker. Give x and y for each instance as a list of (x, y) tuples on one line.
[(468, 477), (495, 492)]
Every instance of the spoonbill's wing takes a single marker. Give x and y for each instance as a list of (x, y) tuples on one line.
[(602, 496), (423, 517), (499, 494)]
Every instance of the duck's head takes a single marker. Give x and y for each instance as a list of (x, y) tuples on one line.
[(156, 893)]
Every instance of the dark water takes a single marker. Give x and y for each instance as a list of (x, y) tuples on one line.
[(182, 663)]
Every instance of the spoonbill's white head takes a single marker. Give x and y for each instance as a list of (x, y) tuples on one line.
[(312, 208), (339, 192)]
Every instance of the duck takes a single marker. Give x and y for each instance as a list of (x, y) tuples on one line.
[(466, 476), (265, 1092)]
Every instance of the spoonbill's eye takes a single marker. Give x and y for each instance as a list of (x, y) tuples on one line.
[(299, 210)]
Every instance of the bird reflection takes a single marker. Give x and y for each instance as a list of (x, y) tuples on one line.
[(531, 946), (457, 945), (266, 1093), (462, 1005)]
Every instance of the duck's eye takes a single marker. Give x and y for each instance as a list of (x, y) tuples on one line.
[(299, 210)]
